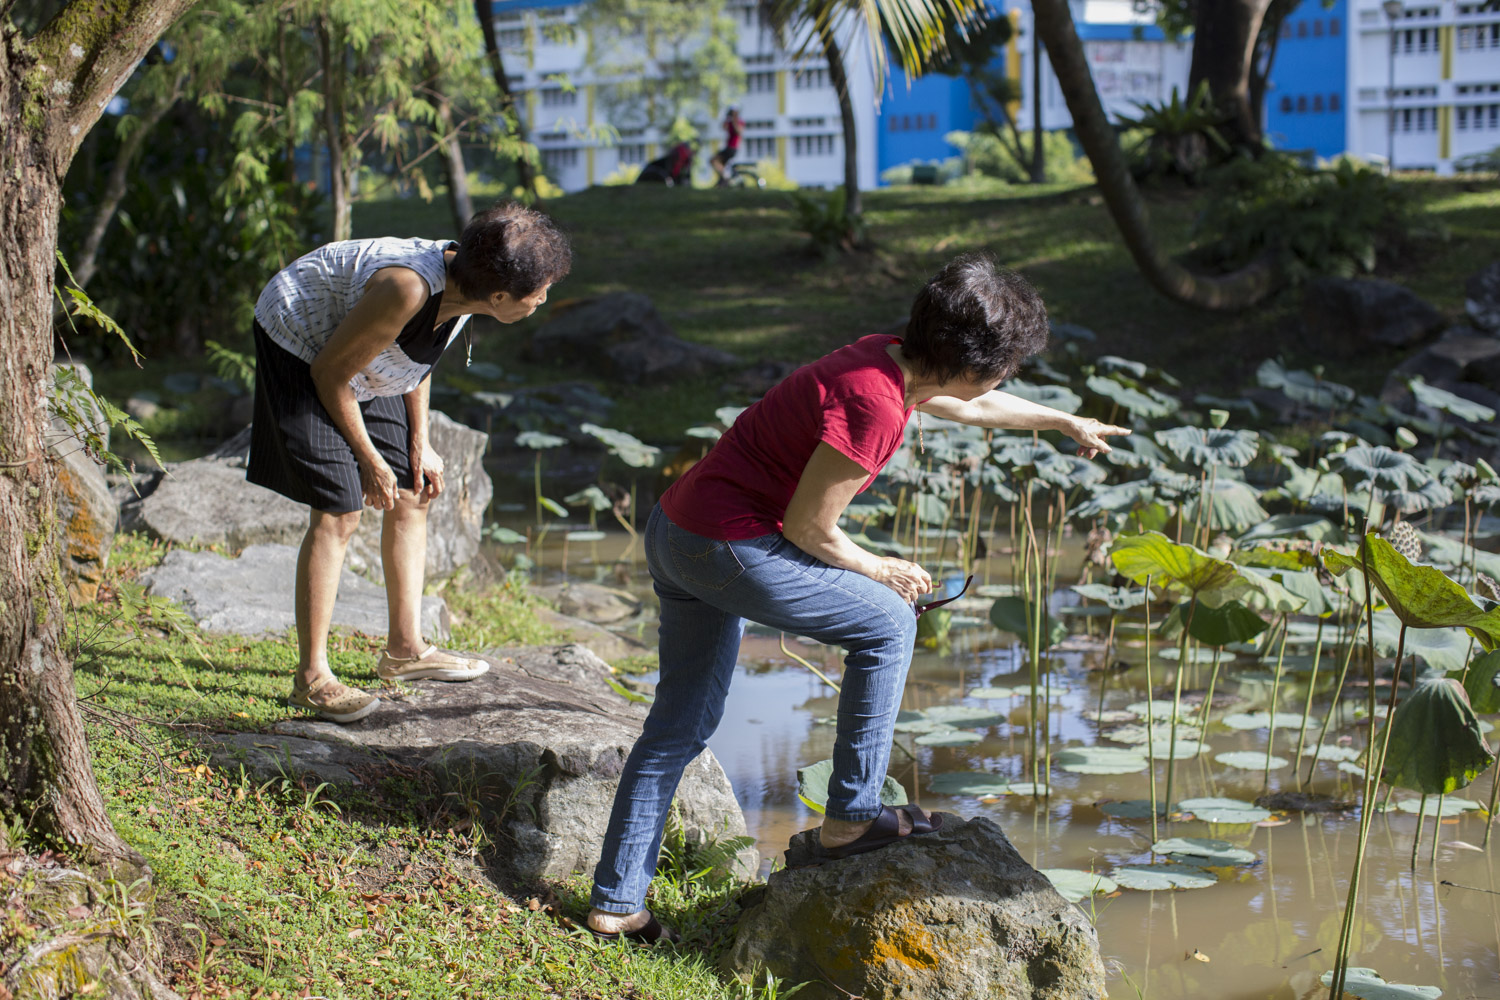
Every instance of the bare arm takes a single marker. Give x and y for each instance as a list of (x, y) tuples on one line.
[(811, 523), (392, 297), (426, 464), (1001, 410)]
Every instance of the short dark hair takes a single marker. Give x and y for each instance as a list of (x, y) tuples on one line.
[(974, 318), (509, 248)]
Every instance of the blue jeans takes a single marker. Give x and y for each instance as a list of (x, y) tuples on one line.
[(708, 589)]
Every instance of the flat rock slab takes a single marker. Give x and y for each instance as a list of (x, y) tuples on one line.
[(591, 602), (943, 916), (252, 595), (538, 743)]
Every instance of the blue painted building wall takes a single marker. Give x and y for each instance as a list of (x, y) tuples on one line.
[(1307, 100), (913, 120)]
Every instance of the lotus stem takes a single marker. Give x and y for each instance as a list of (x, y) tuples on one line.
[(1436, 827), (943, 533), (1208, 517), (1104, 679), (536, 479), (1416, 838), (1208, 702), (994, 514), (1150, 694), (1275, 690), (809, 665), (1489, 824), (1312, 689), (1337, 691), (1176, 701)]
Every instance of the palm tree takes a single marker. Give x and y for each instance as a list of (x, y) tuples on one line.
[(1238, 290)]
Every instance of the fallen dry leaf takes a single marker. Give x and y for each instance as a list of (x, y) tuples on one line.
[(1199, 956)]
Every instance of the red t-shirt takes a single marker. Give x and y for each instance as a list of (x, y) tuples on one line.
[(854, 399), (731, 135)]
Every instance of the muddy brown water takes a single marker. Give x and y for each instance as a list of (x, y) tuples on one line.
[(1265, 931)]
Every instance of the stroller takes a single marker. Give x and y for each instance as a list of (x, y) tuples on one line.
[(675, 168)]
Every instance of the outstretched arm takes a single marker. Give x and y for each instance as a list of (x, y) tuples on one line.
[(1003, 411)]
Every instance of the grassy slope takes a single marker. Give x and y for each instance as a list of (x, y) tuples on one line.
[(726, 269), (380, 892)]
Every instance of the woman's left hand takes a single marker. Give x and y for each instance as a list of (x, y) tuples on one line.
[(426, 470), (1090, 435)]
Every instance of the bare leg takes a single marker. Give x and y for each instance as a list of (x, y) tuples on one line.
[(319, 564), (403, 552)]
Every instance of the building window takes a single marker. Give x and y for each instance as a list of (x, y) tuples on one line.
[(634, 152), (759, 126), (760, 149), (559, 159), (1301, 29), (810, 79), (511, 38), (1286, 105), (1461, 119), (1333, 27), (1317, 104), (809, 122), (556, 97), (1335, 102), (814, 145), (1301, 105), (1286, 29), (1317, 29), (760, 83)]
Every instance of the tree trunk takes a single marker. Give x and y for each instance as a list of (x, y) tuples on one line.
[(840, 81), (52, 89), (114, 189), (1038, 168), (1265, 57), (1225, 34), (333, 129), (484, 11), (1240, 290), (459, 202)]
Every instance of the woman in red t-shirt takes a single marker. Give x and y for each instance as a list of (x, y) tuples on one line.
[(751, 533), (733, 126)]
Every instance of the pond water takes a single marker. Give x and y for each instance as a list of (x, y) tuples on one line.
[(1267, 929)]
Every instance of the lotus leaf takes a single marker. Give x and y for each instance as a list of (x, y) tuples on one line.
[(1108, 363), (1450, 552), (1203, 447), (1422, 597), (1099, 760), (812, 787), (991, 692), (1349, 767), (1114, 716), (628, 448), (1195, 655), (1135, 453), (1326, 752), (951, 738), (1183, 568), (1054, 396), (1262, 720), (1130, 809), (1163, 747), (920, 724), (1132, 735), (968, 783), (585, 536), (503, 536), (1148, 403), (1113, 499), (1203, 851), (1309, 526), (1380, 468), (1250, 760), (727, 415), (1236, 506), (1482, 684), (1230, 622), (1160, 709), (1026, 690), (1303, 386), (1030, 788), (1171, 485), (1217, 810), (1434, 744), (1171, 875), (1076, 885), (963, 715), (705, 432), (1440, 648), (1117, 598), (1425, 496), (538, 441), (1442, 399), (1016, 615), (1069, 471), (1367, 985), (1450, 807)]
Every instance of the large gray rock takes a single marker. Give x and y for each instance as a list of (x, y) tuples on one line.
[(1344, 316), (1482, 298), (537, 745), (253, 594), (455, 519), (86, 510), (591, 602), (620, 335), (943, 916), (209, 502), (608, 646)]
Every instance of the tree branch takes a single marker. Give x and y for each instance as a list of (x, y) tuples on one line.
[(84, 55)]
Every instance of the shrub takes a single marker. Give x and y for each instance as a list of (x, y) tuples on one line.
[(1318, 221), (1182, 138), (985, 154), (828, 221)]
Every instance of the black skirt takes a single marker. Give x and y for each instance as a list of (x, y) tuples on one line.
[(295, 447)]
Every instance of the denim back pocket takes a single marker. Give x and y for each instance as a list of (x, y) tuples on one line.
[(706, 563)]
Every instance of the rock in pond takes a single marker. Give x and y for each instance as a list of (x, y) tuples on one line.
[(1482, 297), (943, 916), (1345, 316), (591, 602), (537, 743), (252, 595)]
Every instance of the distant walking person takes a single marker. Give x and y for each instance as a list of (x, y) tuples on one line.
[(346, 338), (733, 126)]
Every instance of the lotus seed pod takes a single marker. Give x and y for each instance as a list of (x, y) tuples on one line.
[(1317, 371), (1486, 470), (1218, 418), (1403, 538), (1405, 438), (1339, 447), (1323, 465)]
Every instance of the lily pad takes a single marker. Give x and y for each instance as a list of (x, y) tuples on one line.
[(1131, 809), (1451, 807), (812, 787), (1326, 752), (1076, 885), (1250, 760), (1100, 760), (1203, 851), (1133, 735), (952, 738), (1184, 749), (1262, 720), (968, 783), (1030, 788), (991, 692), (1219, 810), (1195, 655), (1367, 985), (1112, 716), (919, 724), (1160, 710), (1172, 875), (967, 716), (1349, 767)]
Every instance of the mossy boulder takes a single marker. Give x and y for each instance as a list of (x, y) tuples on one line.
[(947, 915)]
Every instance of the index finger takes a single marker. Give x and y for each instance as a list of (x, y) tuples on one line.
[(1112, 429)]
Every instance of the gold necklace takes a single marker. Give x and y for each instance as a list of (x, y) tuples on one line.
[(920, 448)]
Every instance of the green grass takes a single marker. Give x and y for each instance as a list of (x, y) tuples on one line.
[(378, 891), (726, 269)]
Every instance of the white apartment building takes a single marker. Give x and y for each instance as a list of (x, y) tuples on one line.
[(790, 110), (1424, 86)]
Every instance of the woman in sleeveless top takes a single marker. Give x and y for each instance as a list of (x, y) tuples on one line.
[(751, 532), (346, 338)]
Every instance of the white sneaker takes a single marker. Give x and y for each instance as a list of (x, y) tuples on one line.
[(435, 664)]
